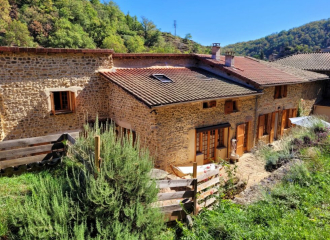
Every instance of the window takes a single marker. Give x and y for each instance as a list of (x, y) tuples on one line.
[(209, 104), (265, 122), (230, 107), (62, 102), (162, 78), (280, 92), (221, 138), (207, 141)]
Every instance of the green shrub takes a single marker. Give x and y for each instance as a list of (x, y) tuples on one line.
[(84, 204)]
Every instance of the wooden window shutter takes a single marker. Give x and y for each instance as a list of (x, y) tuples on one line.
[(272, 128), (277, 92), (283, 123), (269, 122), (294, 112), (289, 115), (72, 101), (284, 91), (228, 107), (261, 126), (213, 104), (52, 104)]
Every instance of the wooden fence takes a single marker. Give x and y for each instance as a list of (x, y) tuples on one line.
[(199, 194), (30, 154)]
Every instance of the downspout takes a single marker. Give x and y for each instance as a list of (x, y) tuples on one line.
[(255, 121)]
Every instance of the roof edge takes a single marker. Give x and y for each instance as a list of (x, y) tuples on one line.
[(151, 55), (54, 50)]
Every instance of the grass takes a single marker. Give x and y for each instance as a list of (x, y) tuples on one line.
[(297, 208), (12, 191)]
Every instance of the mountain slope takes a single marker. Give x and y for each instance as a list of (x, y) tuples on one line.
[(84, 24), (307, 38)]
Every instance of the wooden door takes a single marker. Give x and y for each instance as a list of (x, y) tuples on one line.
[(272, 128), (240, 139)]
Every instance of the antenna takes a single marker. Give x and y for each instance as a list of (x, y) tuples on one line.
[(174, 27)]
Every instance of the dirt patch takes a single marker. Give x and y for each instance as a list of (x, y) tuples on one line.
[(255, 192), (251, 170)]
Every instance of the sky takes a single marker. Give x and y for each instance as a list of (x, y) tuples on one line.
[(229, 21)]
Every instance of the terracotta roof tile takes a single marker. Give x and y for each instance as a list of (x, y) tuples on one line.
[(308, 61), (260, 73), (189, 84)]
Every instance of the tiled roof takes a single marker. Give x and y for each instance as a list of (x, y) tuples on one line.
[(189, 84), (308, 61), (260, 73)]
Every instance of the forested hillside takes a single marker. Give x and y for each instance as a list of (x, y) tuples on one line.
[(84, 24), (307, 38)]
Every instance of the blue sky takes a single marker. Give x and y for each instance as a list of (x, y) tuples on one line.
[(227, 21)]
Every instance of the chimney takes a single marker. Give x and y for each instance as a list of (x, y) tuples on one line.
[(216, 51), (229, 58)]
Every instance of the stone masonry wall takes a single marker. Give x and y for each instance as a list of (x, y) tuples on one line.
[(24, 78), (309, 92), (128, 112), (176, 126)]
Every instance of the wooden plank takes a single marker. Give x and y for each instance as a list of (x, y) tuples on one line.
[(208, 202), (97, 152), (208, 174), (24, 142), (173, 216), (25, 151), (195, 211), (21, 161), (176, 207), (207, 193), (175, 195), (208, 184), (174, 183)]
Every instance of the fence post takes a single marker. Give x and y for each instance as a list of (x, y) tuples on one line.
[(97, 152), (195, 188)]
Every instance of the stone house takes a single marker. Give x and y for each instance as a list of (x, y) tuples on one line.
[(318, 62), (183, 107)]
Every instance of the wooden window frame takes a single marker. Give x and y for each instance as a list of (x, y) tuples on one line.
[(217, 144), (71, 105), (281, 91), (209, 104), (230, 107)]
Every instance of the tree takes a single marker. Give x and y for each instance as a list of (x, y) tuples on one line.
[(4, 15), (17, 34), (114, 42), (134, 44), (187, 37), (68, 35), (150, 33)]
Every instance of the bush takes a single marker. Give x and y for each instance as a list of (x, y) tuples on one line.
[(112, 204)]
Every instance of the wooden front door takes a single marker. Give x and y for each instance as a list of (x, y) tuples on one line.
[(240, 137)]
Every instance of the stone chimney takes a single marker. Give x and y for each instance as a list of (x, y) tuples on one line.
[(229, 58), (216, 51)]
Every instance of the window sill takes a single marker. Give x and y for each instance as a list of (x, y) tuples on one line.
[(60, 113)]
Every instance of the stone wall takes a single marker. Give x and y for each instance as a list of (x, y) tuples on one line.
[(176, 128), (24, 80), (128, 112)]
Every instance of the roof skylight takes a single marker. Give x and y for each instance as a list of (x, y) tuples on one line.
[(162, 78)]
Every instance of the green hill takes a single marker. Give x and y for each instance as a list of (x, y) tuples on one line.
[(84, 24), (307, 38)]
